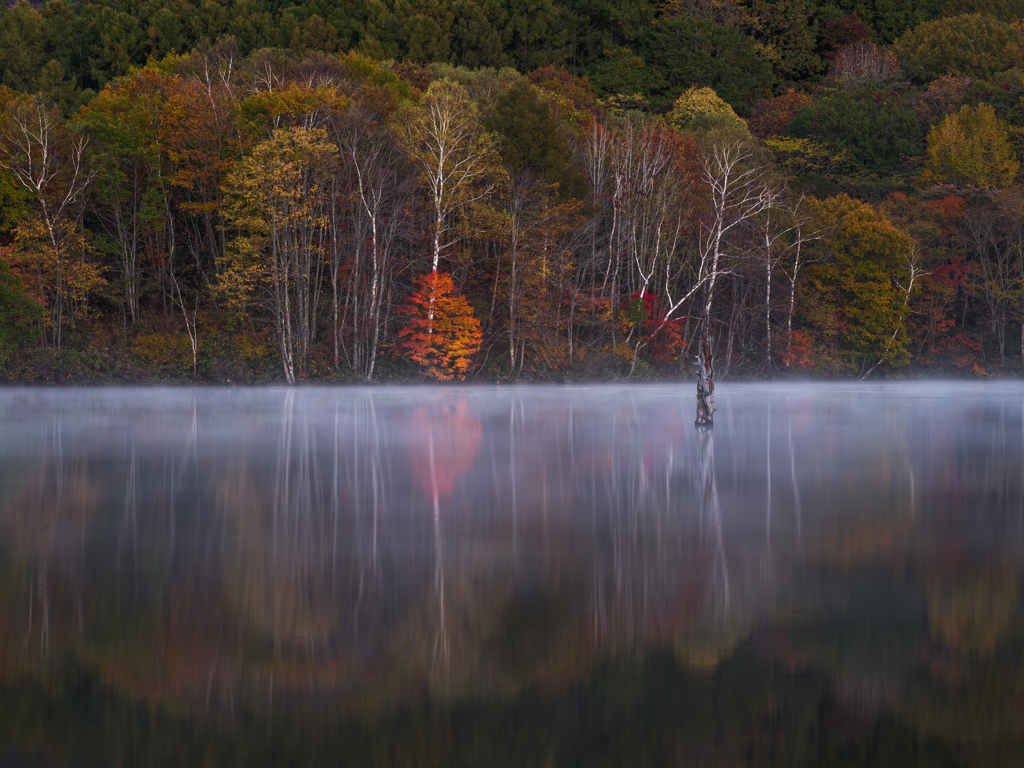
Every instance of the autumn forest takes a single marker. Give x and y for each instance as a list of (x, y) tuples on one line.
[(500, 190)]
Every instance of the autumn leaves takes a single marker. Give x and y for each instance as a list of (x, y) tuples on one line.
[(456, 160), (315, 216), (280, 200)]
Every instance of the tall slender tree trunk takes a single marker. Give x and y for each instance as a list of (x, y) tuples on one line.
[(705, 382)]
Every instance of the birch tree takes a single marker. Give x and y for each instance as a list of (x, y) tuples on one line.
[(279, 200), (454, 156), (994, 233), (643, 175), (532, 265), (372, 202), (47, 158), (737, 182), (780, 236)]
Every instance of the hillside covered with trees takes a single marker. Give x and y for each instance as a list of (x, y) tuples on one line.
[(501, 190)]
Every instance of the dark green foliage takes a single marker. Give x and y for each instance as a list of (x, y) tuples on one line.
[(52, 83), (531, 135), (620, 71), (602, 25), (625, 47), (19, 315), (115, 41), (1015, 114), (539, 32), (789, 34), (479, 33), (888, 19), (1004, 10), (350, 18), (1003, 92), (167, 33), (424, 31), (876, 129), (249, 22), (533, 140), (14, 202), (975, 45), (695, 52), (64, 42), (22, 33)]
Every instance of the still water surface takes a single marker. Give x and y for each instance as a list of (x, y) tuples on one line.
[(518, 576)]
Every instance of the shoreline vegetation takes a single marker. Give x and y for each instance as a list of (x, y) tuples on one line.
[(484, 191)]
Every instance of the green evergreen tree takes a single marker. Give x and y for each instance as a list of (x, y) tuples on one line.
[(876, 130), (695, 52), (975, 45), (19, 315), (21, 46)]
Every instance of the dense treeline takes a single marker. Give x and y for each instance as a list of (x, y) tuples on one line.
[(223, 192), (621, 46)]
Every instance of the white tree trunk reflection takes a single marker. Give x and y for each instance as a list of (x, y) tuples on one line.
[(711, 512), (286, 548), (796, 486), (441, 647)]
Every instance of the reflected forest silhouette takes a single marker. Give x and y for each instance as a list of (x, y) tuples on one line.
[(247, 557)]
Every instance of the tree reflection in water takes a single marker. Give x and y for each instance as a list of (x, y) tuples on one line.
[(327, 552)]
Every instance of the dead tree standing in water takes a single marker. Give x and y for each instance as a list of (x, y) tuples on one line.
[(705, 383), (738, 182)]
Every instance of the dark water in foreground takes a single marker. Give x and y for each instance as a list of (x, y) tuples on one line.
[(513, 577)]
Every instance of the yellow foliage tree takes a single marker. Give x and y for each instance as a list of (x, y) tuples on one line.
[(856, 298), (444, 139), (970, 149), (697, 104), (278, 199), (58, 275), (46, 156)]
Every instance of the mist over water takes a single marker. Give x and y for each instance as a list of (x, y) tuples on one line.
[(831, 567)]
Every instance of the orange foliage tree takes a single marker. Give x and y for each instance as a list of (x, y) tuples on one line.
[(442, 335), (772, 116), (200, 134)]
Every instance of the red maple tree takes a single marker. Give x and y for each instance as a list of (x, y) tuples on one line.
[(442, 335)]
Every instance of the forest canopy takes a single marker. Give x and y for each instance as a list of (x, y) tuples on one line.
[(249, 191)]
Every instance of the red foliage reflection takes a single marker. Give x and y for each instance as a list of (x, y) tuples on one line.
[(445, 440)]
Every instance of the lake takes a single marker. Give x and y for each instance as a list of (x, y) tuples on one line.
[(513, 576)]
